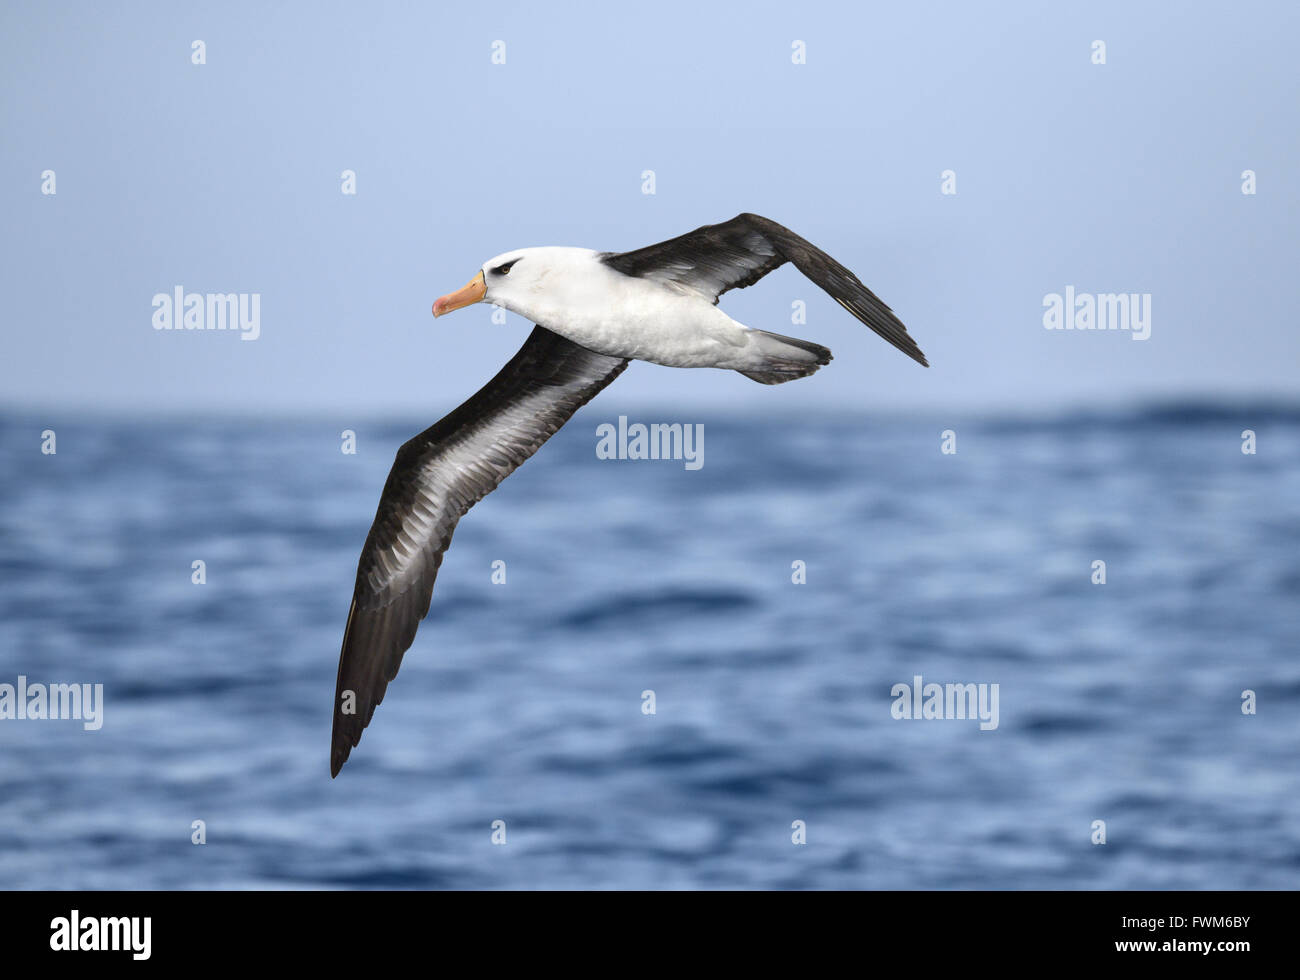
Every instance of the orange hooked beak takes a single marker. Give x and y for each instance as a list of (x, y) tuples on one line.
[(472, 292)]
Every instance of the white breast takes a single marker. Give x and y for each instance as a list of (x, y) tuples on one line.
[(584, 300)]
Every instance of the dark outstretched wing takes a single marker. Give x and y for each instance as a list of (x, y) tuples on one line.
[(739, 252), (436, 478)]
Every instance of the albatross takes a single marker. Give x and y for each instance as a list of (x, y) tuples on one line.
[(594, 312)]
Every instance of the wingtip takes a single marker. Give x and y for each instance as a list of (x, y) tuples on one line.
[(338, 756)]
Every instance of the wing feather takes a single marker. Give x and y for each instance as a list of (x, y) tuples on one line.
[(436, 478), (737, 253)]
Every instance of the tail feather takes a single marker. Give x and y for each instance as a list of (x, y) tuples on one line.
[(781, 359)]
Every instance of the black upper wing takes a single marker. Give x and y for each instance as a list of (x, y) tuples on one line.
[(739, 252), (436, 478)]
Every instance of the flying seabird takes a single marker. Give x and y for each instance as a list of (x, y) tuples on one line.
[(594, 312)]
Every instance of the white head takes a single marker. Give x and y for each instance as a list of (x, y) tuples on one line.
[(526, 281)]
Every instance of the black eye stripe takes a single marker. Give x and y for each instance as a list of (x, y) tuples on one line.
[(502, 270)]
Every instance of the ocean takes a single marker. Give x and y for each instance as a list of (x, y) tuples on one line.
[(640, 674)]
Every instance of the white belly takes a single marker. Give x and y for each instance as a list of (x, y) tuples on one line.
[(608, 312)]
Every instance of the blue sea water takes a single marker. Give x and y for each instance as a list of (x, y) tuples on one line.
[(522, 702)]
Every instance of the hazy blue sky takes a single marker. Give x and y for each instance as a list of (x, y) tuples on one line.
[(225, 177)]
